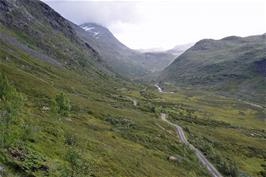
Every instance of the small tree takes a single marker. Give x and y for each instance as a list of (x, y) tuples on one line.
[(78, 166), (11, 102), (62, 104), (74, 160)]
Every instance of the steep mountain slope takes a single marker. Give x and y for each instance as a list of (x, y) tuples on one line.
[(157, 61), (120, 58), (101, 133), (232, 65), (34, 27)]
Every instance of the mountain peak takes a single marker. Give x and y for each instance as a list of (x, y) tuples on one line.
[(96, 30), (232, 38), (93, 24), (204, 44)]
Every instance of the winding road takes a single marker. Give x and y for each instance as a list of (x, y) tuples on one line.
[(159, 88), (204, 161), (252, 104), (134, 101)]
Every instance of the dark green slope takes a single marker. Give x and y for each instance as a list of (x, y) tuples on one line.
[(232, 65), (102, 134)]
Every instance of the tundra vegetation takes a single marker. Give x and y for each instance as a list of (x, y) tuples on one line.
[(64, 113)]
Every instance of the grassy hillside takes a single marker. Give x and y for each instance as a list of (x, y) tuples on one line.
[(93, 129), (233, 66), (104, 134), (64, 113), (231, 133)]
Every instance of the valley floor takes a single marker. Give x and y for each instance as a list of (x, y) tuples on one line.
[(230, 133), (114, 128)]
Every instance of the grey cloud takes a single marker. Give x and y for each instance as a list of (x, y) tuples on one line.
[(101, 12)]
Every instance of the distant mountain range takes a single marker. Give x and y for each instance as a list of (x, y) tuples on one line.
[(179, 49), (121, 59), (66, 108), (233, 66)]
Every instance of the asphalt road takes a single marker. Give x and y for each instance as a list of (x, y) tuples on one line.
[(204, 161)]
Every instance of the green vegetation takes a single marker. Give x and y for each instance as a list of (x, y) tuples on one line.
[(229, 132), (10, 105), (62, 104), (225, 166), (232, 66), (103, 134), (78, 167), (63, 113)]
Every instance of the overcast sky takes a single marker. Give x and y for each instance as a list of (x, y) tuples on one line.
[(164, 24)]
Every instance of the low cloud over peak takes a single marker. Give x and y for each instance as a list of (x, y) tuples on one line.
[(164, 24)]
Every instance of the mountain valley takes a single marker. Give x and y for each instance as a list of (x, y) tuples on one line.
[(72, 104)]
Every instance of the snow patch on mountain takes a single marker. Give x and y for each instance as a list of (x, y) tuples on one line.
[(88, 28), (92, 30)]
